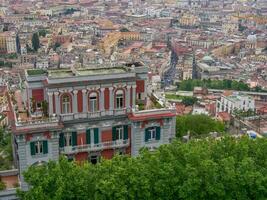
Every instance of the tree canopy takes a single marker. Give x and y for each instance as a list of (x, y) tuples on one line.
[(35, 41), (188, 85), (229, 168), (6, 156), (43, 32), (197, 125)]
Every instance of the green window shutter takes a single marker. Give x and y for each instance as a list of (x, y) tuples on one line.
[(32, 148), (158, 133), (74, 138), (113, 133), (61, 140), (96, 136), (146, 135), (125, 132), (45, 146), (88, 136)]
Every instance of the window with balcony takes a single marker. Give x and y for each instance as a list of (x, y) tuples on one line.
[(67, 139), (120, 133), (39, 147), (66, 107), (152, 134), (119, 99), (93, 105), (92, 136)]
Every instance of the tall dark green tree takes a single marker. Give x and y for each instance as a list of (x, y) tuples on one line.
[(35, 42)]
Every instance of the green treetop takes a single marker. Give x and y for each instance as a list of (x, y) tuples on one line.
[(229, 168)]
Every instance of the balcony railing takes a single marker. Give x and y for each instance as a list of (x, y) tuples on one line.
[(95, 147), (72, 116), (37, 123)]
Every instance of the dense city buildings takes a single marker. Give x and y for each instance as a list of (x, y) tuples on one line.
[(91, 79)]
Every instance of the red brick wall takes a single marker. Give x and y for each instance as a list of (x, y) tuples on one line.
[(38, 95), (80, 101), (107, 154), (140, 86), (81, 157), (10, 181), (128, 150), (28, 137), (81, 138), (106, 135), (106, 103), (47, 135)]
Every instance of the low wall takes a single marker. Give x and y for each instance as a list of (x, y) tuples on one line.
[(11, 180)]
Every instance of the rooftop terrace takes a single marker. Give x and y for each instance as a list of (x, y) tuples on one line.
[(76, 72)]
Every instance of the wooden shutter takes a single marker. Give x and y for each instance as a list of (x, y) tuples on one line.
[(96, 136), (125, 132), (61, 140), (146, 135), (113, 133), (32, 145), (74, 138), (158, 133), (45, 146), (88, 136)]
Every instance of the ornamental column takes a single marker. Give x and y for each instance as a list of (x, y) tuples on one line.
[(128, 96), (50, 103), (134, 95), (85, 109), (102, 99), (111, 98), (74, 102), (57, 102)]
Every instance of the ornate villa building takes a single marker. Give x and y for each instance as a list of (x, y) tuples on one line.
[(85, 114)]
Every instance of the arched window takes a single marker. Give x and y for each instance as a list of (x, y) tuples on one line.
[(119, 99), (93, 102), (66, 104)]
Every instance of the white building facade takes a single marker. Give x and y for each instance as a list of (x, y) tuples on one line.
[(235, 101)]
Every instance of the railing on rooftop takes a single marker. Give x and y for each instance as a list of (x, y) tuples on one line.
[(95, 147), (73, 116), (37, 123), (154, 111)]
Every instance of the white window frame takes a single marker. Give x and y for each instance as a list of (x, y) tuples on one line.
[(152, 134), (119, 133), (66, 104), (38, 147), (93, 102), (119, 99), (67, 139)]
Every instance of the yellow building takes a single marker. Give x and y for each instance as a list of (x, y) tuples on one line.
[(8, 42), (110, 41), (189, 20), (3, 47), (226, 49)]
